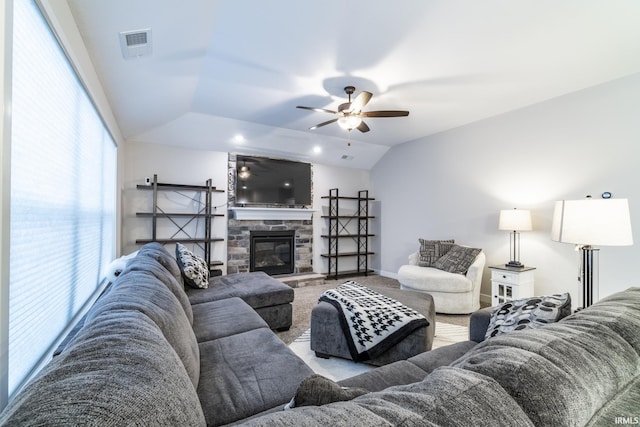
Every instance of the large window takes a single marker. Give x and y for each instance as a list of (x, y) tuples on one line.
[(63, 181)]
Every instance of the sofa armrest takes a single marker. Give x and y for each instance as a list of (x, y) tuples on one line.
[(478, 324)]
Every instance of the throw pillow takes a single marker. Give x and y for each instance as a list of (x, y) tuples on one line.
[(431, 250), (194, 269), (528, 313), (457, 260), (317, 390)]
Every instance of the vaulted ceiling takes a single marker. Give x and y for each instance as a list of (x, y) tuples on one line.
[(226, 75)]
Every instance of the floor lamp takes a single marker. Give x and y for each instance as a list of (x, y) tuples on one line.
[(589, 222)]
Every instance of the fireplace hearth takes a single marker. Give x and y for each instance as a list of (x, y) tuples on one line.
[(272, 251)]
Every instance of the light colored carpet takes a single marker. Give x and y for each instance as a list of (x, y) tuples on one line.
[(337, 368)]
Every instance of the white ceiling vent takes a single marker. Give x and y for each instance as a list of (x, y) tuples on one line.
[(135, 44)]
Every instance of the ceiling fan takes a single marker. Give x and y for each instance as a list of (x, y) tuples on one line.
[(350, 113)]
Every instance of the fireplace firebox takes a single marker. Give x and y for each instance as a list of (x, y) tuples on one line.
[(272, 251)]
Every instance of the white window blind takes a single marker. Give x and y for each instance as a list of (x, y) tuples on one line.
[(63, 165)]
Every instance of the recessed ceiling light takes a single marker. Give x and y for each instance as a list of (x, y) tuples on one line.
[(317, 149), (238, 138)]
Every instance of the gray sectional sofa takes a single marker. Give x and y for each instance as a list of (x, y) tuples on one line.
[(149, 353), (146, 355)]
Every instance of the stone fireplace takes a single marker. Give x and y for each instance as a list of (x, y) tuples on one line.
[(239, 243)]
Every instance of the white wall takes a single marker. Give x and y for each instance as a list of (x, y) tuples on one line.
[(453, 185), (188, 166)]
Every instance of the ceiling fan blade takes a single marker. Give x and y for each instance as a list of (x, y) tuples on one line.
[(320, 110), (362, 127), (323, 124), (384, 113), (361, 100)]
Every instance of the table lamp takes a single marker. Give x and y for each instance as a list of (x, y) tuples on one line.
[(515, 220)]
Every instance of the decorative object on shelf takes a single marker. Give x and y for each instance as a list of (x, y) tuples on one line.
[(515, 220), (588, 222)]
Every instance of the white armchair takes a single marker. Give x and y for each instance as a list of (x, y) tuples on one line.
[(452, 293)]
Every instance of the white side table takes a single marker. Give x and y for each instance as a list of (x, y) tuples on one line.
[(508, 283)]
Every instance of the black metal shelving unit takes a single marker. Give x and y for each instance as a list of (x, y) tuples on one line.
[(204, 211), (340, 228)]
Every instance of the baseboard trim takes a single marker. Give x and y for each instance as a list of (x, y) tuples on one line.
[(388, 274), (485, 299)]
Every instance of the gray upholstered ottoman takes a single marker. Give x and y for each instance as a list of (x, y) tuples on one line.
[(327, 338), (270, 298)]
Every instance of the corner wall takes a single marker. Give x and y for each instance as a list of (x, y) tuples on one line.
[(453, 184)]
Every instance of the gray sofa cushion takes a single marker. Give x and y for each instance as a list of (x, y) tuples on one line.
[(409, 371), (159, 253), (559, 374), (140, 291), (397, 373), (151, 266), (625, 404), (447, 397), (219, 319), (247, 373), (257, 289), (443, 356), (618, 312), (113, 374)]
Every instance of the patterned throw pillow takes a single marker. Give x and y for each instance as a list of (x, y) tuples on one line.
[(457, 260), (431, 250), (194, 269), (528, 313)]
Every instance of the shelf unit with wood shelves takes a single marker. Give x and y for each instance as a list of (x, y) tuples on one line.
[(352, 227), (180, 221)]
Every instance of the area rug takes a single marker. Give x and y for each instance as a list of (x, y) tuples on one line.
[(337, 368)]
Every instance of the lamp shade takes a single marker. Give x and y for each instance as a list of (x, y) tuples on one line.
[(601, 222), (515, 220)]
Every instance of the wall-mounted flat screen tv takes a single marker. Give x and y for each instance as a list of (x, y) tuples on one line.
[(264, 181)]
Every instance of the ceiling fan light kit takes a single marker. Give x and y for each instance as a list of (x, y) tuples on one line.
[(349, 122), (350, 113)]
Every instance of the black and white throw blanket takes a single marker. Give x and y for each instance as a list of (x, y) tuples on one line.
[(372, 323)]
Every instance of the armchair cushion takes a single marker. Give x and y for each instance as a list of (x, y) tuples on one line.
[(457, 260), (431, 250)]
